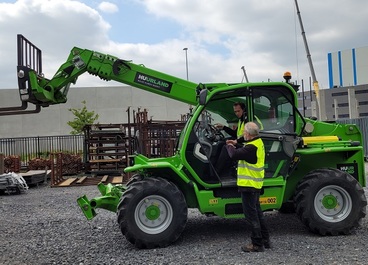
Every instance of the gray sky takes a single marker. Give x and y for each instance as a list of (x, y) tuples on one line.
[(221, 36)]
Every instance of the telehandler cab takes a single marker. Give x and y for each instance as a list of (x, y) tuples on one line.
[(312, 167)]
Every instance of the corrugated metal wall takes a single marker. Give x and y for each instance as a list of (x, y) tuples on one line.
[(362, 123)]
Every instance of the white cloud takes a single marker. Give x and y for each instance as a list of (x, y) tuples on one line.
[(54, 26), (221, 36), (108, 7), (265, 35)]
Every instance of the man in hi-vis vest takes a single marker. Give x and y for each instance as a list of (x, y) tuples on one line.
[(224, 163), (251, 158)]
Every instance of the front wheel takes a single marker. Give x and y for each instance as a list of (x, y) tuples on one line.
[(152, 213), (287, 207), (134, 178), (330, 201)]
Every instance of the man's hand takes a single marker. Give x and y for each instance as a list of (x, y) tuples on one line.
[(231, 142), (219, 126)]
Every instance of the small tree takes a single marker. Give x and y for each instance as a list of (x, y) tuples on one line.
[(82, 118)]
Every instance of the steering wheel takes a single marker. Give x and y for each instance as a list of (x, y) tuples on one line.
[(214, 134)]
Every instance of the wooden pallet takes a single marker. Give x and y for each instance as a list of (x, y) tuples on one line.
[(36, 176), (87, 181)]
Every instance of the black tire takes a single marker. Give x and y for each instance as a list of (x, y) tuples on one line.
[(134, 178), (287, 207), (152, 213), (330, 202)]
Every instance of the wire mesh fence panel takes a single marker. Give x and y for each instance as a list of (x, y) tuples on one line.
[(362, 124)]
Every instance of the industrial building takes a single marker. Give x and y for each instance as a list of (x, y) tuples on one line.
[(347, 96), (349, 102), (348, 67)]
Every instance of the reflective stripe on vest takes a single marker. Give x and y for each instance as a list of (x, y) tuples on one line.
[(251, 175)]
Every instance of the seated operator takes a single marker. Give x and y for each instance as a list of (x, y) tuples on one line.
[(225, 166)]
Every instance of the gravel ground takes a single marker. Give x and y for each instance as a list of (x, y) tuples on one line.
[(45, 226)]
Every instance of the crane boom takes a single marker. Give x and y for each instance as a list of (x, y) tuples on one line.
[(309, 57)]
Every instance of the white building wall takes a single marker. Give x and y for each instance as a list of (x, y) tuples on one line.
[(348, 67), (110, 103), (335, 70), (362, 65)]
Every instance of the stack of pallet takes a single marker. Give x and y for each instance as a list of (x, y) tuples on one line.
[(106, 148)]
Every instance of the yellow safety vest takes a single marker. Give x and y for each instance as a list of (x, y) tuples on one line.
[(240, 129), (251, 175)]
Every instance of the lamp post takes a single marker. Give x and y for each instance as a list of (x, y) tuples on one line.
[(186, 60)]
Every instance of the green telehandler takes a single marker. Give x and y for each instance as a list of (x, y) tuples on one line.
[(313, 168)]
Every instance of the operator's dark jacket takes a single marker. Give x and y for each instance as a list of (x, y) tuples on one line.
[(233, 133), (247, 153)]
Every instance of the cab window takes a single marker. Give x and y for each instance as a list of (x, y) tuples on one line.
[(273, 109)]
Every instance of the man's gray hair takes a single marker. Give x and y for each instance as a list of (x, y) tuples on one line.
[(251, 128)]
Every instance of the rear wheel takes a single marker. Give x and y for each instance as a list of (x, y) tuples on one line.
[(152, 213), (330, 201)]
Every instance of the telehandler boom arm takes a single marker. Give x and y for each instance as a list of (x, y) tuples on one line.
[(37, 89)]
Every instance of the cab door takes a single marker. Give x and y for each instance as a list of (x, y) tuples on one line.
[(274, 107)]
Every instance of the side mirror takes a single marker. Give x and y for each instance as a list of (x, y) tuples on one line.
[(203, 96)]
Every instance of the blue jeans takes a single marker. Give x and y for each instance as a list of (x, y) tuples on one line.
[(254, 217)]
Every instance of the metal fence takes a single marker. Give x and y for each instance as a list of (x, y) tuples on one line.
[(362, 123), (41, 146)]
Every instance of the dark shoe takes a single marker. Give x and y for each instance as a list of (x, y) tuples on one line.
[(252, 248), (267, 244)]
